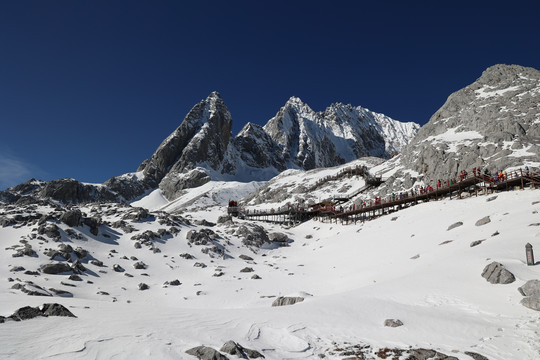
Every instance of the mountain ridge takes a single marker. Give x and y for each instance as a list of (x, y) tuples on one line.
[(203, 148)]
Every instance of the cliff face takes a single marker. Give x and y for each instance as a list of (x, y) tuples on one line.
[(493, 123)]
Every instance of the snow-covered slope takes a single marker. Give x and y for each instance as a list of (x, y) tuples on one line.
[(304, 188), (405, 266)]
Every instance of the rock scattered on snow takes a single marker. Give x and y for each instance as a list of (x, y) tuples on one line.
[(28, 312), (477, 242), (206, 353), (530, 288), (454, 225), (393, 322), (225, 220), (531, 291), (483, 221), (531, 302), (72, 218), (139, 265), (233, 348), (278, 237), (496, 273), (475, 356), (252, 235), (56, 310), (55, 268), (143, 286), (287, 300)]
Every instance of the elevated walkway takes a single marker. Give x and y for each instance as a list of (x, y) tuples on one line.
[(333, 211)]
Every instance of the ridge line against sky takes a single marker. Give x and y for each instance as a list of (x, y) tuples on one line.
[(89, 89)]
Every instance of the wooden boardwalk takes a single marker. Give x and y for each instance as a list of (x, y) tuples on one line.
[(329, 211)]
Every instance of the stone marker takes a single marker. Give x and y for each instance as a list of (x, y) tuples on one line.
[(530, 254)]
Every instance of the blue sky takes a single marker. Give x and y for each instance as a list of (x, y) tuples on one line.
[(89, 89)]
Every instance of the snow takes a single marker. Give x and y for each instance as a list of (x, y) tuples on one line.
[(488, 91), (358, 276), (152, 201), (453, 138)]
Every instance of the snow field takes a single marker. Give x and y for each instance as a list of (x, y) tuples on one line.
[(359, 275)]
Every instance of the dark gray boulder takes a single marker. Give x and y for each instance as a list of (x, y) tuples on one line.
[(143, 286), (454, 225), (287, 300), (204, 223), (50, 230), (201, 237), (476, 243), (78, 267), (72, 218), (278, 237), (483, 221), (81, 253), (233, 348), (56, 268), (93, 223), (496, 273), (56, 310), (475, 356), (96, 262), (26, 313), (429, 354), (206, 353), (245, 257), (139, 265), (118, 268), (225, 220), (252, 235), (61, 293), (393, 323)]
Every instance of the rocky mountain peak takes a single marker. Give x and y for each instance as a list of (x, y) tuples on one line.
[(202, 148), (491, 124)]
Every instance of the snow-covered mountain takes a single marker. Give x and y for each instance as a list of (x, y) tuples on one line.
[(493, 124), (296, 138), (203, 148)]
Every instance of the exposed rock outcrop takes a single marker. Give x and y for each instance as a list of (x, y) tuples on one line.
[(496, 273), (233, 348), (488, 124), (287, 300), (206, 353)]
